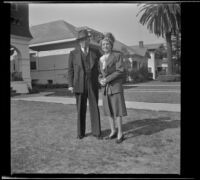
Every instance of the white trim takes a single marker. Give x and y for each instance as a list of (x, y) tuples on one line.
[(20, 37), (52, 42), (55, 52)]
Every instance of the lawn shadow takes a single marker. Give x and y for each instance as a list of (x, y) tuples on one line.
[(148, 126), (145, 127)]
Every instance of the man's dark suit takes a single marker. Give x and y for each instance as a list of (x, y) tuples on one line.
[(83, 77)]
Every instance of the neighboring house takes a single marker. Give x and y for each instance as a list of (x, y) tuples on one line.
[(19, 50), (137, 60), (50, 48), (148, 52)]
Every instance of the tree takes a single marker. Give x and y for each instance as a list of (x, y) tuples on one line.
[(124, 51), (176, 52), (161, 52), (162, 20)]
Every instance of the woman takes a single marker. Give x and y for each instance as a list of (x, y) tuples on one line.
[(112, 70)]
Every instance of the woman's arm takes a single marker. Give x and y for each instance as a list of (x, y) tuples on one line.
[(119, 70)]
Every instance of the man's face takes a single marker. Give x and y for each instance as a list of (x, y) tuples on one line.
[(84, 42)]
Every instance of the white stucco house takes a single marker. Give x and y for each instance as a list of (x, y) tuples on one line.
[(154, 64), (19, 50)]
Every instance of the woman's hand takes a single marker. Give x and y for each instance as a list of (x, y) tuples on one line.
[(103, 81)]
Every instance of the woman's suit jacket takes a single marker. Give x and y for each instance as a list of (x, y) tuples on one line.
[(113, 72)]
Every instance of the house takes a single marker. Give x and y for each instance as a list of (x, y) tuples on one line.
[(148, 52), (50, 48), (49, 51), (19, 50)]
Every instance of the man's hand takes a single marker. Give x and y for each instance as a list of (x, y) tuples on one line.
[(71, 89)]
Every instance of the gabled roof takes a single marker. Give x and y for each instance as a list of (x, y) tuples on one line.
[(147, 47), (140, 51), (61, 32), (153, 46), (119, 46), (52, 31)]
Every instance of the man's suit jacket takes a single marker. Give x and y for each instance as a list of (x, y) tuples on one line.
[(113, 72), (76, 72)]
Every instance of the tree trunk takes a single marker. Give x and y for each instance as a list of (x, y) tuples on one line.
[(169, 53)]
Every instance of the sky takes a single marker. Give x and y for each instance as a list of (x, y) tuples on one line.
[(118, 18)]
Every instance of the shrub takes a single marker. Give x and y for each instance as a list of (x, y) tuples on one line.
[(33, 90), (169, 78), (16, 76), (50, 86), (141, 75)]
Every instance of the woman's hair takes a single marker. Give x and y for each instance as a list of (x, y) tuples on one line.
[(108, 37)]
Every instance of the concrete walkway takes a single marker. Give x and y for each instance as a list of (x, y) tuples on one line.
[(155, 83), (129, 104)]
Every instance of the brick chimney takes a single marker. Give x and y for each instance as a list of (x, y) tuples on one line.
[(141, 44)]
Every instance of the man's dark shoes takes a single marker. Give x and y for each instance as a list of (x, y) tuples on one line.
[(80, 137), (112, 137), (118, 141)]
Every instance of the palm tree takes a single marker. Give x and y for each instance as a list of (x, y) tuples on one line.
[(162, 20)]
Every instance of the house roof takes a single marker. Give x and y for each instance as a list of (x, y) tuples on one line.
[(119, 46), (147, 47), (52, 31), (62, 32), (140, 51), (153, 46)]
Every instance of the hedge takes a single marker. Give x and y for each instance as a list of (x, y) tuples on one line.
[(169, 78), (49, 86)]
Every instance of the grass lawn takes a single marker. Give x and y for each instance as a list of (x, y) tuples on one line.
[(43, 140), (153, 97), (134, 94), (156, 82)]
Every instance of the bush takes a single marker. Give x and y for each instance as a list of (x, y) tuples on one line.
[(141, 75), (169, 78), (16, 76), (50, 86), (33, 90)]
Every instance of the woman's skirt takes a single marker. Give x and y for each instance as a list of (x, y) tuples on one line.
[(114, 105)]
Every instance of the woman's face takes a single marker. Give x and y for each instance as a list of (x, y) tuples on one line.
[(106, 46)]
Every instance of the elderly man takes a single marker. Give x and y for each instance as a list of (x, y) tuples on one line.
[(83, 82)]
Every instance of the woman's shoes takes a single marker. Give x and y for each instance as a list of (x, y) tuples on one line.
[(112, 137), (118, 141), (80, 137)]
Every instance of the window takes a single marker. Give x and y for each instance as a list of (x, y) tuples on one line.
[(32, 55), (134, 64), (33, 65), (50, 81)]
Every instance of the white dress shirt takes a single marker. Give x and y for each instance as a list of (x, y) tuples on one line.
[(103, 59), (83, 50)]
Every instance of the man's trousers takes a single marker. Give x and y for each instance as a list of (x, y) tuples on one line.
[(81, 103)]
